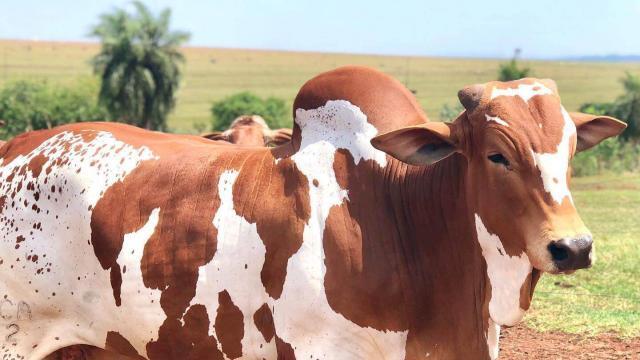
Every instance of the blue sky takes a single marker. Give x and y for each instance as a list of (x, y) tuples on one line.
[(485, 28)]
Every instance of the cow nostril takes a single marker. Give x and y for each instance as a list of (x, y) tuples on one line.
[(558, 251), (571, 253)]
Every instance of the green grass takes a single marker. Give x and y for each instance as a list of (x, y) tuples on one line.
[(211, 74), (605, 298)]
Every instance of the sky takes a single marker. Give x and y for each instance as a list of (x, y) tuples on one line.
[(543, 29)]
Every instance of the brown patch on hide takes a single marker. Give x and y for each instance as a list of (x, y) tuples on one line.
[(36, 163), (23, 144), (229, 326), (284, 349), (115, 276), (188, 341), (264, 322), (119, 344), (357, 240), (276, 198)]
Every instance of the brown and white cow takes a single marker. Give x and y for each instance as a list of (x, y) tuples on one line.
[(175, 247), (251, 130)]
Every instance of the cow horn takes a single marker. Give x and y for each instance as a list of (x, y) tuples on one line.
[(470, 96)]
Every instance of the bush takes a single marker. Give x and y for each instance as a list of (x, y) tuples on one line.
[(273, 110), (33, 105), (511, 70), (611, 155), (615, 154), (449, 113), (626, 107)]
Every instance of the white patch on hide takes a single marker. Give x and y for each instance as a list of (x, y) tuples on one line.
[(302, 316), (496, 119), (65, 287), (506, 276), (236, 268), (340, 125), (524, 91), (493, 339), (139, 307), (554, 166)]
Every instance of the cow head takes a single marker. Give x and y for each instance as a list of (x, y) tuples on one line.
[(518, 141), (251, 130)]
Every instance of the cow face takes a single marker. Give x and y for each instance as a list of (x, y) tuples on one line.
[(251, 130), (518, 141)]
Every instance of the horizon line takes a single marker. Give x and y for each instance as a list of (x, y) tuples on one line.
[(575, 58)]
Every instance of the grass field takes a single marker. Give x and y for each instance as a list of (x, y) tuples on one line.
[(211, 74), (604, 298)]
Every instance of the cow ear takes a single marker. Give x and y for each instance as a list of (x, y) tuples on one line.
[(215, 135), (278, 137), (423, 144), (592, 129)]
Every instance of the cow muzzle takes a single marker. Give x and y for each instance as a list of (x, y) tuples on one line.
[(572, 253)]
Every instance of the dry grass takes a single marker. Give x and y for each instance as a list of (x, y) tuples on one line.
[(211, 74)]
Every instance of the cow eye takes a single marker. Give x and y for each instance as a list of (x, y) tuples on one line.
[(499, 159)]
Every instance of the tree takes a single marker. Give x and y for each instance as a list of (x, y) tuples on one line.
[(273, 110), (33, 105), (138, 65), (511, 70), (626, 107)]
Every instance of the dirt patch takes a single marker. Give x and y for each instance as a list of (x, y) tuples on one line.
[(516, 343), (521, 342)]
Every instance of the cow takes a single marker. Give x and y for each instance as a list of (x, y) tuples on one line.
[(251, 130), (373, 234)]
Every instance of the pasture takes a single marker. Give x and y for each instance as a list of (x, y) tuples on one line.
[(211, 74), (603, 299)]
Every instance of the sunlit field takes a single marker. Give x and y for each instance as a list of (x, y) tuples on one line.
[(211, 74)]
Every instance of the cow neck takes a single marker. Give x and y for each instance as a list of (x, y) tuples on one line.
[(408, 230), (440, 215), (445, 270)]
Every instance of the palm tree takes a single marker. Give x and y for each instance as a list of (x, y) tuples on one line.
[(138, 65)]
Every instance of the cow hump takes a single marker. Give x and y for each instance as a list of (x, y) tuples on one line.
[(387, 103)]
